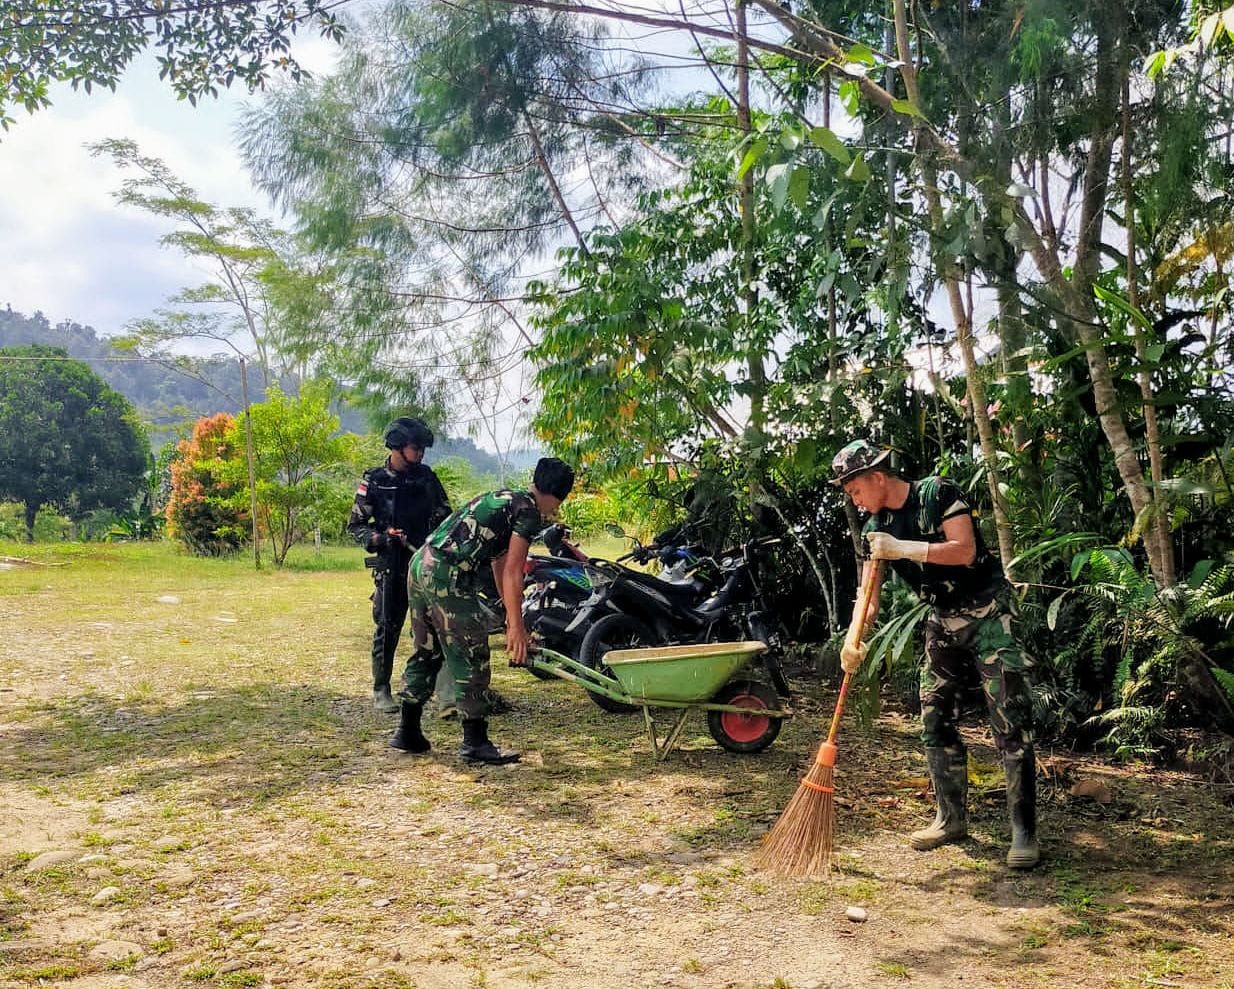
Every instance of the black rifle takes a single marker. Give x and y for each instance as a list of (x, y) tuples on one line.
[(383, 566)]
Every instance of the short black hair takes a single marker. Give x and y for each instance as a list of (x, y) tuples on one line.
[(553, 477)]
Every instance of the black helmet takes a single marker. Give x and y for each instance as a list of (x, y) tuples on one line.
[(405, 431)]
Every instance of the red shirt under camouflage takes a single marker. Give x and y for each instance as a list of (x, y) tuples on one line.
[(480, 531)]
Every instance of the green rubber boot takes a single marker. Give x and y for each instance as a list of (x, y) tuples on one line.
[(949, 772), (1021, 773)]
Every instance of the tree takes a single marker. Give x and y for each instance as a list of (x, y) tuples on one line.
[(202, 44), (66, 439), (260, 287), (202, 510), (303, 470)]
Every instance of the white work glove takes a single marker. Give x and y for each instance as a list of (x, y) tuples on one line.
[(852, 656), (884, 546)]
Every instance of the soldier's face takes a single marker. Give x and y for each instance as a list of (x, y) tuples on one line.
[(867, 491), (408, 455)]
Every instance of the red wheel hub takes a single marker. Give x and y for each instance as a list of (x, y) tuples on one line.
[(745, 727)]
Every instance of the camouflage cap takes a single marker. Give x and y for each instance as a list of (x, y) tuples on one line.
[(856, 458)]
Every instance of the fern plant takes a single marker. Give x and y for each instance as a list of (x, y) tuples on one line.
[(1172, 650)]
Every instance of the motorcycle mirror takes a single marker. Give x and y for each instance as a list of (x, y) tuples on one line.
[(613, 529)]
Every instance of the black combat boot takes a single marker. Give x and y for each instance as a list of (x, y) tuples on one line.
[(382, 701), (476, 746), (1021, 773), (949, 771), (409, 737)]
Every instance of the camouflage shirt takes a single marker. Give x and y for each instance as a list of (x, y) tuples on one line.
[(480, 531), (931, 502)]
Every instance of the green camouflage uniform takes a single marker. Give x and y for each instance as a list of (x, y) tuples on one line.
[(443, 588), (971, 621)]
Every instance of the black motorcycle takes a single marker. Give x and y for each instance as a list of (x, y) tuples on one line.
[(722, 602)]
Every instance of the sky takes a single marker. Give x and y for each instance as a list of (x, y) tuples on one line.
[(68, 249)]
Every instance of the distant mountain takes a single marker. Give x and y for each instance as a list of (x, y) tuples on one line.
[(168, 396)]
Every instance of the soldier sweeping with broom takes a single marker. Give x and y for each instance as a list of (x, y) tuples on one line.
[(925, 531)]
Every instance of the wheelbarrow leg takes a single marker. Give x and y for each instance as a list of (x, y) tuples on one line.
[(660, 750)]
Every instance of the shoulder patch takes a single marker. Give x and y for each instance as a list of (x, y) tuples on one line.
[(362, 489)]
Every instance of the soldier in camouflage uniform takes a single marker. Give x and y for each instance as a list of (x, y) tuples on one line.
[(396, 506), (492, 530), (925, 530)]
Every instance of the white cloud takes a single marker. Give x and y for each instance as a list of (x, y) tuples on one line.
[(69, 250)]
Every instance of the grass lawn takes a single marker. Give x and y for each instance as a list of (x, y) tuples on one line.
[(196, 792)]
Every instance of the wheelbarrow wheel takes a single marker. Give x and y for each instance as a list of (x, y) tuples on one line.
[(612, 632), (744, 733)]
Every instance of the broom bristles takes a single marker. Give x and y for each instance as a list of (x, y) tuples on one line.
[(800, 842)]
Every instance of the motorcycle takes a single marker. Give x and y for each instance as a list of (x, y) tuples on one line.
[(632, 609)]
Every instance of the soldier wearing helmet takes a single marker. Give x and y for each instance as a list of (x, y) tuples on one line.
[(396, 506), (925, 530)]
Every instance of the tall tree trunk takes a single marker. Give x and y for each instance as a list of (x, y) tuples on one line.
[(749, 294), (959, 312), (32, 512), (1158, 527)]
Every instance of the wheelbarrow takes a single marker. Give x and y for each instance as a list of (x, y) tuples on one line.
[(743, 715)]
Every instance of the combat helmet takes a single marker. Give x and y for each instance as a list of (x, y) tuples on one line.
[(406, 431)]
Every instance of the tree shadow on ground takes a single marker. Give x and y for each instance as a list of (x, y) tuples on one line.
[(262, 743)]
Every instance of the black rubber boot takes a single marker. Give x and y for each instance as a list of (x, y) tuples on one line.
[(949, 771), (476, 746), (382, 701), (1021, 773), (409, 737)]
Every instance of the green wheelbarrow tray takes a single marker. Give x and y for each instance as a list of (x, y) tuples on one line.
[(691, 674), (742, 715)]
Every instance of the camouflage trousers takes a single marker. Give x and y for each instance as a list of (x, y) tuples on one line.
[(450, 625), (984, 636)]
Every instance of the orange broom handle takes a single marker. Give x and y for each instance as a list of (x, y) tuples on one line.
[(862, 619)]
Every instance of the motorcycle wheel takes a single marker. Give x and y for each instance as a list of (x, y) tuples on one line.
[(744, 733), (612, 632)]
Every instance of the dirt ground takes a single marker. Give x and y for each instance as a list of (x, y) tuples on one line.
[(195, 791)]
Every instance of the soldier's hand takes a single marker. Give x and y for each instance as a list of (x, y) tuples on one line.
[(852, 656), (517, 646), (884, 546), (379, 541)]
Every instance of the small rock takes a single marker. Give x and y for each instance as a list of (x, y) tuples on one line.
[(857, 915), (485, 869), (115, 951), (167, 843), (168, 599), (650, 889), (105, 895), (93, 859), (364, 882), (48, 859), (232, 966), (383, 902)]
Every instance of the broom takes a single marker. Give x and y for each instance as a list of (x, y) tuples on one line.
[(800, 842)]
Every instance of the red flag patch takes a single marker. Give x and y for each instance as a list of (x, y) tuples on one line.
[(362, 489)]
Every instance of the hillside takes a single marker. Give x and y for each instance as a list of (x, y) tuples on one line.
[(168, 395)]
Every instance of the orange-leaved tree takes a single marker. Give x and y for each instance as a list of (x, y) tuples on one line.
[(204, 511)]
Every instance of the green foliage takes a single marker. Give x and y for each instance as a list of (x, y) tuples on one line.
[(67, 440), (201, 510), (202, 46), (1164, 657), (303, 470)]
